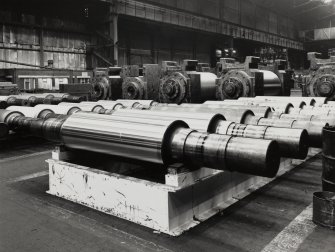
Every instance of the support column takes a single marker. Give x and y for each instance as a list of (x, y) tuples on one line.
[(41, 42), (113, 32)]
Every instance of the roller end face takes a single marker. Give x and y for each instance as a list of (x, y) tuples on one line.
[(4, 130), (303, 145), (262, 160), (272, 161)]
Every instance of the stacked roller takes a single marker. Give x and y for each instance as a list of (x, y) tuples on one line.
[(163, 142), (34, 99), (292, 142)]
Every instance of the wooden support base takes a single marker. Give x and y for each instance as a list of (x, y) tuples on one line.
[(185, 199)]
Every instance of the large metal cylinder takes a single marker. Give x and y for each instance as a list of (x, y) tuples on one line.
[(328, 159), (34, 112), (90, 107), (112, 105), (164, 142), (4, 130), (313, 118), (61, 110), (314, 129), (206, 122), (272, 83), (293, 143), (143, 102), (128, 104), (231, 114), (317, 111), (296, 101), (177, 87)]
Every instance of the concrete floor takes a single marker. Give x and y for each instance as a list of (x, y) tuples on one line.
[(31, 220)]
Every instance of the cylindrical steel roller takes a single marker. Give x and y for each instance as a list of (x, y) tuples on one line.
[(313, 118), (34, 112), (129, 104), (316, 111), (272, 83), (293, 143), (294, 100), (261, 111), (4, 130), (61, 110), (234, 115), (164, 142), (143, 102), (314, 129), (206, 122), (92, 107), (109, 106)]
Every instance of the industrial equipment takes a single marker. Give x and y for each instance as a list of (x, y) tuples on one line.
[(136, 87), (181, 84), (107, 83), (321, 80), (8, 88), (34, 80), (248, 79), (162, 142)]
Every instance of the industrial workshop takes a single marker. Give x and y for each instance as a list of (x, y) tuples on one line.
[(167, 125)]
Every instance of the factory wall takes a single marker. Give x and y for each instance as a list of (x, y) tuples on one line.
[(143, 42), (31, 39), (242, 12)]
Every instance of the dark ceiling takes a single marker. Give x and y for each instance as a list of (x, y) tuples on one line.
[(308, 13)]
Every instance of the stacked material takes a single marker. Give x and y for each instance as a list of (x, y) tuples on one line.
[(34, 99), (163, 142)]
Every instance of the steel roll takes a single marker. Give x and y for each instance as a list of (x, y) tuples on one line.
[(313, 111), (258, 110), (206, 122), (61, 110), (207, 85), (34, 112), (232, 114), (91, 107), (296, 101), (272, 83), (293, 143), (143, 102), (108, 106), (313, 118), (314, 129), (161, 142), (4, 130), (328, 159), (128, 104)]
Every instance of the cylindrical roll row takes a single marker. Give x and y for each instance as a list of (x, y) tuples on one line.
[(34, 99), (163, 142), (292, 142)]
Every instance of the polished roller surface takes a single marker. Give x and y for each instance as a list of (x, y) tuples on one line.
[(231, 114)]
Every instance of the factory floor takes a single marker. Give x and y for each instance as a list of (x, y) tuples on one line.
[(274, 218)]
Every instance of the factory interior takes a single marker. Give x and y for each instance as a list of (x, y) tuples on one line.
[(167, 125)]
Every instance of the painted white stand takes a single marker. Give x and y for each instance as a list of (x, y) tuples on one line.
[(183, 201)]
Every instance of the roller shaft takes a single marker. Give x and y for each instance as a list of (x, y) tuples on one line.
[(164, 142)]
